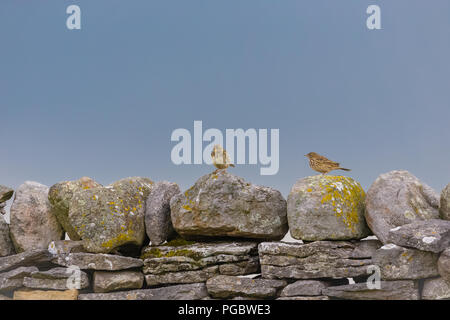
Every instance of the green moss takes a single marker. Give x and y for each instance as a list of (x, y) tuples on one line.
[(177, 242), (157, 253)]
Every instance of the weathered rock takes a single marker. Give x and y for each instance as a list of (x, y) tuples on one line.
[(304, 298), (226, 287), (105, 281), (436, 289), (91, 261), (4, 298), (14, 279), (304, 288), (320, 259), (57, 279), (32, 224), (397, 198), (326, 208), (390, 290), (157, 215), (46, 295), (6, 245), (36, 257), (60, 196), (427, 235), (198, 262), (398, 263), (65, 247), (107, 218), (444, 208), (2, 208), (5, 193), (444, 265), (224, 205), (194, 291)]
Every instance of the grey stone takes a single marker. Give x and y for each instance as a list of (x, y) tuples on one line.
[(36, 257), (6, 245), (319, 259), (181, 277), (32, 224), (5, 193), (105, 281), (436, 289), (326, 208), (398, 263), (14, 279), (226, 287), (390, 290), (305, 298), (304, 288), (157, 215), (57, 279), (101, 261), (444, 208), (397, 198), (427, 235), (196, 291), (444, 265), (65, 247), (224, 205)]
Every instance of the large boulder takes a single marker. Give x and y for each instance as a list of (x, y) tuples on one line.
[(60, 196), (445, 203), (111, 217), (157, 215), (224, 205), (6, 245), (32, 223), (397, 198), (326, 208)]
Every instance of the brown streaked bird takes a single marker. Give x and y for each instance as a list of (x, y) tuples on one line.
[(321, 164), (220, 158)]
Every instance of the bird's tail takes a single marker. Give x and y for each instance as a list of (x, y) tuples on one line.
[(232, 165), (345, 169)]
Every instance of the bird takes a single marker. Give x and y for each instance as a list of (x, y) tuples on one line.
[(321, 164), (220, 158)]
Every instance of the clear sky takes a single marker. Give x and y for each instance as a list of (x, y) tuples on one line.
[(103, 101)]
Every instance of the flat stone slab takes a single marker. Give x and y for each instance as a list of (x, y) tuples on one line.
[(14, 279), (35, 257), (304, 298), (444, 265), (57, 279), (106, 281), (436, 289), (304, 288), (390, 290), (99, 261), (46, 295), (319, 259)]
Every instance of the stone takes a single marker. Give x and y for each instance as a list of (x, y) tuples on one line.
[(326, 207), (57, 279), (319, 259), (444, 208), (60, 196), (398, 263), (389, 290), (111, 217), (397, 198), (158, 224), (6, 245), (46, 295), (35, 257), (105, 281), (4, 298), (305, 298), (14, 279), (65, 247), (181, 277), (2, 208), (91, 261), (224, 205), (436, 289), (32, 224), (5, 193), (427, 235), (304, 288), (444, 265), (226, 287), (195, 291)]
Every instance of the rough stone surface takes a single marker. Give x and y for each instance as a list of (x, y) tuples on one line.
[(91, 261), (6, 245), (444, 265), (326, 208), (427, 235), (36, 257), (194, 291), (57, 279), (444, 208), (397, 198), (60, 196), (108, 218), (14, 279), (226, 287), (390, 290), (304, 298), (32, 224), (181, 277), (105, 281), (46, 295), (436, 289), (304, 288), (224, 205), (398, 263), (320, 259), (157, 215), (65, 247), (5, 193)]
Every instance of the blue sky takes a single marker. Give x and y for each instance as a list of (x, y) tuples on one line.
[(103, 101)]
